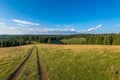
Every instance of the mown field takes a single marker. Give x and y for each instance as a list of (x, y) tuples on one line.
[(62, 62)]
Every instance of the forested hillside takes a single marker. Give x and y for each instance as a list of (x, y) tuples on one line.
[(102, 39)]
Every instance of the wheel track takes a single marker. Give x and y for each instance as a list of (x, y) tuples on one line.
[(17, 72), (42, 72)]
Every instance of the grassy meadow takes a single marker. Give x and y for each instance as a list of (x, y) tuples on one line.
[(30, 71), (81, 62), (63, 62), (10, 59)]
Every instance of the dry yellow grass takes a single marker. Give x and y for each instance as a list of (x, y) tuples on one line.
[(82, 47), (10, 59), (9, 52), (81, 62), (98, 61)]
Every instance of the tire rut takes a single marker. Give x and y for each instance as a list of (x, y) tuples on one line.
[(42, 72), (17, 72)]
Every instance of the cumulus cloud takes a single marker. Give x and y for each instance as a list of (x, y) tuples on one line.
[(42, 30), (70, 29), (32, 30), (23, 23), (65, 30), (58, 30)]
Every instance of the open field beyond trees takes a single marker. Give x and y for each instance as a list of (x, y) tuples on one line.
[(60, 62)]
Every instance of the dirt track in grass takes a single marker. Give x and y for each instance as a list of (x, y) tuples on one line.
[(42, 72), (41, 69), (17, 72)]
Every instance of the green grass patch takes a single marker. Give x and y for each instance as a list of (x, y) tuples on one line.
[(74, 41), (89, 64), (30, 71)]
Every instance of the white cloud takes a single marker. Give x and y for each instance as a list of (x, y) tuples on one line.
[(23, 23), (2, 23), (7, 28), (41, 30), (93, 28), (72, 29)]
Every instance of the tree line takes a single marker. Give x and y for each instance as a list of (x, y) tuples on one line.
[(102, 39), (99, 39), (23, 40)]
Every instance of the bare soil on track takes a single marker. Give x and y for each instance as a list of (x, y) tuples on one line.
[(42, 72), (41, 69), (17, 72)]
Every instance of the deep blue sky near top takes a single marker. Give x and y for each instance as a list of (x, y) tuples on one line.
[(62, 16)]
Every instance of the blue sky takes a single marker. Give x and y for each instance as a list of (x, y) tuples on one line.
[(59, 16)]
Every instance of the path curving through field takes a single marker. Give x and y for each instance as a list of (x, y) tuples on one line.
[(17, 72)]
